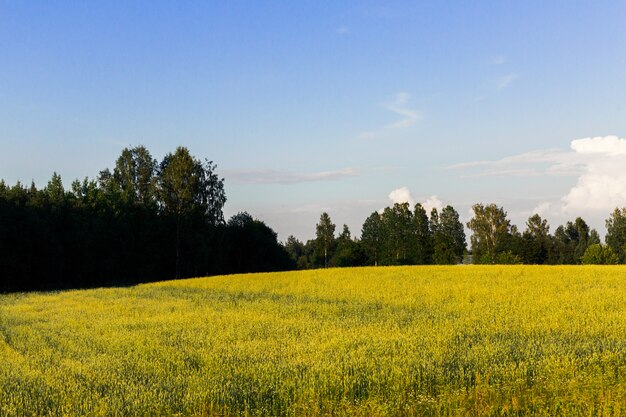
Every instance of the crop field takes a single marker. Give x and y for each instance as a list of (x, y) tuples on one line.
[(449, 341)]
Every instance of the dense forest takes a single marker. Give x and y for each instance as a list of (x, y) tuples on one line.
[(147, 221), (399, 235), (142, 221)]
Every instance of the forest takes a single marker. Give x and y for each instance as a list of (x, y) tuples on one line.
[(399, 235), (142, 221), (148, 221)]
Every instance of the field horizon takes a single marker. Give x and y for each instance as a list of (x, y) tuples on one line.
[(418, 340)]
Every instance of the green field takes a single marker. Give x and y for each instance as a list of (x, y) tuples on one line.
[(461, 340)]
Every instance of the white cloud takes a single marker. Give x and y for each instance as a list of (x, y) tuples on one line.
[(602, 185), (269, 176), (432, 202), (399, 106), (402, 195), (609, 145), (342, 30), (543, 209), (506, 80), (597, 162)]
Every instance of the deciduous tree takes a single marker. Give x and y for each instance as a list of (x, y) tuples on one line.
[(186, 186), (598, 254), (616, 232), (491, 229), (134, 174)]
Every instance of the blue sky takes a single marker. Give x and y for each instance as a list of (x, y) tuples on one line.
[(313, 106)]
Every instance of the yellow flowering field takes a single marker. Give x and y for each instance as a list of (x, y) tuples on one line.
[(397, 341)]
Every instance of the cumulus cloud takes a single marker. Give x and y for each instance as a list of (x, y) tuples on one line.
[(404, 195), (269, 176), (432, 202), (609, 145), (597, 163), (398, 105), (543, 209), (602, 185), (401, 195)]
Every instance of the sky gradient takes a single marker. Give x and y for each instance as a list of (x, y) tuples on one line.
[(328, 106)]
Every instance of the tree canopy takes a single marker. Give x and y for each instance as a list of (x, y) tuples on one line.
[(491, 232), (324, 238), (146, 220), (616, 232), (140, 222)]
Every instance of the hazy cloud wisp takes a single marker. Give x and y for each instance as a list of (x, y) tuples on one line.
[(597, 162), (399, 105), (506, 80), (269, 176)]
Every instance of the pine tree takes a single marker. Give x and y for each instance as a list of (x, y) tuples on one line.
[(325, 238)]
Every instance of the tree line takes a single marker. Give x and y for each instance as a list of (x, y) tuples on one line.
[(146, 220), (141, 221), (401, 235)]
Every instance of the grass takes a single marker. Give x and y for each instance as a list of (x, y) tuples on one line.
[(450, 341)]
